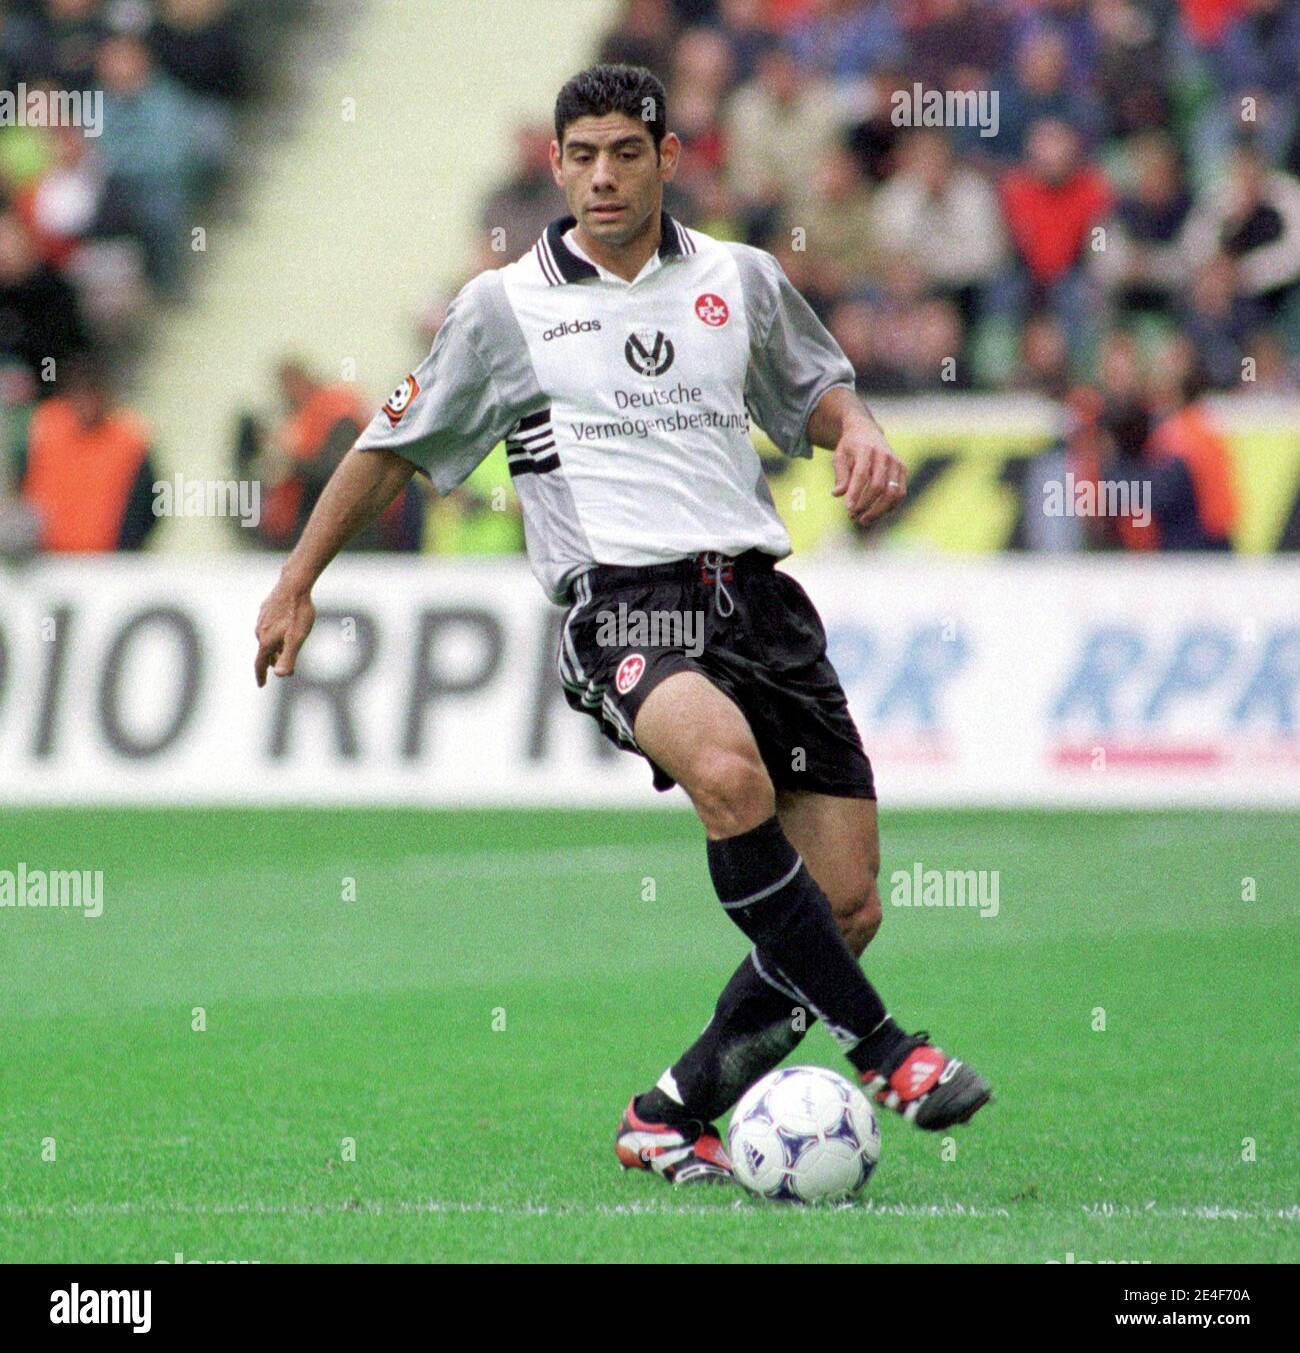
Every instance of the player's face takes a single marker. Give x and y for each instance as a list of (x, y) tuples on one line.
[(611, 177)]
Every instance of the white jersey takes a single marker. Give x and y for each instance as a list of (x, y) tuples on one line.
[(624, 406)]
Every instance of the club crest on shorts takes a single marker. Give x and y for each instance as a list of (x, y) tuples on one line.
[(400, 400), (713, 310), (629, 673)]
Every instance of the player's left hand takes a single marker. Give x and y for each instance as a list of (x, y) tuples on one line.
[(868, 476)]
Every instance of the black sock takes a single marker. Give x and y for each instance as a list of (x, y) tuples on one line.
[(754, 1026), (769, 893), (757, 1023)]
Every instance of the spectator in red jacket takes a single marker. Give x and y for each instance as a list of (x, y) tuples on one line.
[(1205, 21), (1052, 203)]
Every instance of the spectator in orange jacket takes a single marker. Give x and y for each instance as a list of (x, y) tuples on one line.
[(1186, 463), (87, 474), (322, 423)]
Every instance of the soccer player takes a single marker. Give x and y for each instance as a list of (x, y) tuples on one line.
[(621, 359)]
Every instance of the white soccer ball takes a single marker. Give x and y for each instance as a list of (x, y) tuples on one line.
[(804, 1134)]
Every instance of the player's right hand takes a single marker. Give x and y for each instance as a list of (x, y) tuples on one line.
[(283, 624)]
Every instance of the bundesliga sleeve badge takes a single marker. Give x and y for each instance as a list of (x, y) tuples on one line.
[(400, 400)]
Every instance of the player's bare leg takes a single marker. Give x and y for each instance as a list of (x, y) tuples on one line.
[(839, 840), (801, 967), (718, 764), (702, 739)]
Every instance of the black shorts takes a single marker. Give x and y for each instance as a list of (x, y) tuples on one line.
[(742, 623)]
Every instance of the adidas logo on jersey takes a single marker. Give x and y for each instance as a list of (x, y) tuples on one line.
[(578, 326)]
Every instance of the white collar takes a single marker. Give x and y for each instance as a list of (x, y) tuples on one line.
[(651, 264)]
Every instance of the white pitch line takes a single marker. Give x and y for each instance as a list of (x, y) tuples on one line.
[(437, 1207), (1191, 1212)]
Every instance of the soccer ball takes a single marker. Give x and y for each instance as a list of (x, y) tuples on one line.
[(803, 1135)]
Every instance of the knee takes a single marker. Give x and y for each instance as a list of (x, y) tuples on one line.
[(731, 790), (859, 916)]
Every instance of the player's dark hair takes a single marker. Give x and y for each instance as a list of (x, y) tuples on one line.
[(598, 90)]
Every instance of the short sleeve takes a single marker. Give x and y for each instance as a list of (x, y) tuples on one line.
[(452, 409), (793, 360)]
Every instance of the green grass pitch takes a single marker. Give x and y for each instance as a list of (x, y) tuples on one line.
[(373, 1020)]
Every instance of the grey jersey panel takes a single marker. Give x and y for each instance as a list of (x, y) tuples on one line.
[(793, 359), (467, 394), (558, 546)]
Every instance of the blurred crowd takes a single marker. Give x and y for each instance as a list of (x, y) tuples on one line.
[(117, 119), (1131, 203), (1121, 235), (95, 215), (1141, 176)]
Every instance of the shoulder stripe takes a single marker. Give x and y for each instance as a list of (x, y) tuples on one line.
[(547, 266)]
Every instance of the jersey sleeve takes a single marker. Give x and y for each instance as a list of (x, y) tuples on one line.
[(460, 401), (793, 360)]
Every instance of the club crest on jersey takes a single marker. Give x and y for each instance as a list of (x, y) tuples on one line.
[(649, 352), (629, 673), (400, 400), (713, 310)]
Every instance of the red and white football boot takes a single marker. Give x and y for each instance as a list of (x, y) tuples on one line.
[(928, 1087), (693, 1155)]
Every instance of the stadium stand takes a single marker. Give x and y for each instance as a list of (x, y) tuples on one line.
[(1136, 147), (94, 215), (1140, 192)]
